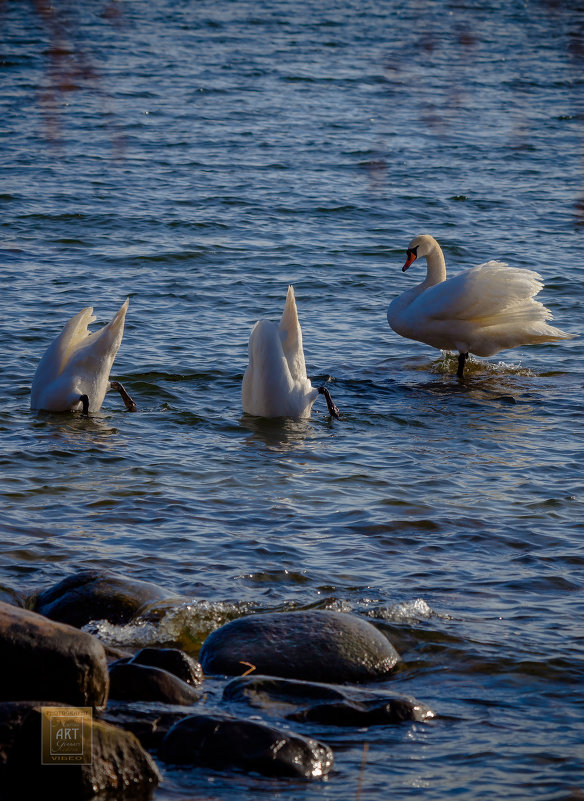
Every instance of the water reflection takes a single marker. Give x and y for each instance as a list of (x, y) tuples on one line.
[(74, 428), (280, 433)]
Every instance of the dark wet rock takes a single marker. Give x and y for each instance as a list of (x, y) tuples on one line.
[(150, 726), (133, 682), (174, 661), (321, 703), (119, 767), (312, 645), (372, 712), (40, 658), (116, 654), (267, 691), (220, 742), (92, 595)]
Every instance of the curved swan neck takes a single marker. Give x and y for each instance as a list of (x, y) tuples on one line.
[(436, 265)]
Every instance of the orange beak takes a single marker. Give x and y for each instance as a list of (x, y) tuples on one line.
[(411, 257)]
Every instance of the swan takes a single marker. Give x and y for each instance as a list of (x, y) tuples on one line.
[(74, 371), (484, 310), (275, 382)]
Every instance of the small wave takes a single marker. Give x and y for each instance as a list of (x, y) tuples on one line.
[(188, 624), (447, 363), (184, 626), (405, 612)]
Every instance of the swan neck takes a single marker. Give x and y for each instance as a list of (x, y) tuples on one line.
[(436, 267)]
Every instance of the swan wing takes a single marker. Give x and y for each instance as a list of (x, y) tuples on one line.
[(58, 353), (483, 293)]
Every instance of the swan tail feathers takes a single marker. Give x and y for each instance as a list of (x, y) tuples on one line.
[(291, 338), (106, 342), (501, 336)]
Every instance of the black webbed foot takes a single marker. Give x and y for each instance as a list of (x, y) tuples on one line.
[(332, 407), (130, 405), (462, 357)]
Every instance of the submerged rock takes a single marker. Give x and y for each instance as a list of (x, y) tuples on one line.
[(130, 681), (266, 691), (149, 726), (321, 703), (10, 596), (51, 661), (312, 645), (173, 660), (92, 595), (370, 712), (119, 766), (219, 742)]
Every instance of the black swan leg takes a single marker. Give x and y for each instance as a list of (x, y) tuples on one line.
[(333, 409), (462, 357), (85, 403), (130, 405)]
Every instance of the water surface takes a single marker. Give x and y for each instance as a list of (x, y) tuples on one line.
[(212, 154)]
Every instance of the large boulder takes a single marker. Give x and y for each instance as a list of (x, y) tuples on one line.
[(92, 595), (118, 765), (218, 741), (312, 645), (42, 659), (305, 701), (130, 681)]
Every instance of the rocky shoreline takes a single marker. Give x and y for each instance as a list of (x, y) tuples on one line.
[(300, 667)]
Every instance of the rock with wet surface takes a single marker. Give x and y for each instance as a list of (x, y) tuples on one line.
[(173, 660), (322, 703), (220, 742), (265, 692), (120, 767), (368, 712), (130, 681), (43, 659), (312, 645), (93, 595)]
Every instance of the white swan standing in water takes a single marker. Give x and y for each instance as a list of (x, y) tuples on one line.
[(74, 372), (484, 310), (275, 382)]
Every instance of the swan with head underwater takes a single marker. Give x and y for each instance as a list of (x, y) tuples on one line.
[(484, 310), (74, 373), (275, 382)]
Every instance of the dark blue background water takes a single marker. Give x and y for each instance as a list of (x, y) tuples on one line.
[(199, 157)]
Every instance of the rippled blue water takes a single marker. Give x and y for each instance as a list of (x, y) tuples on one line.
[(199, 157)]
